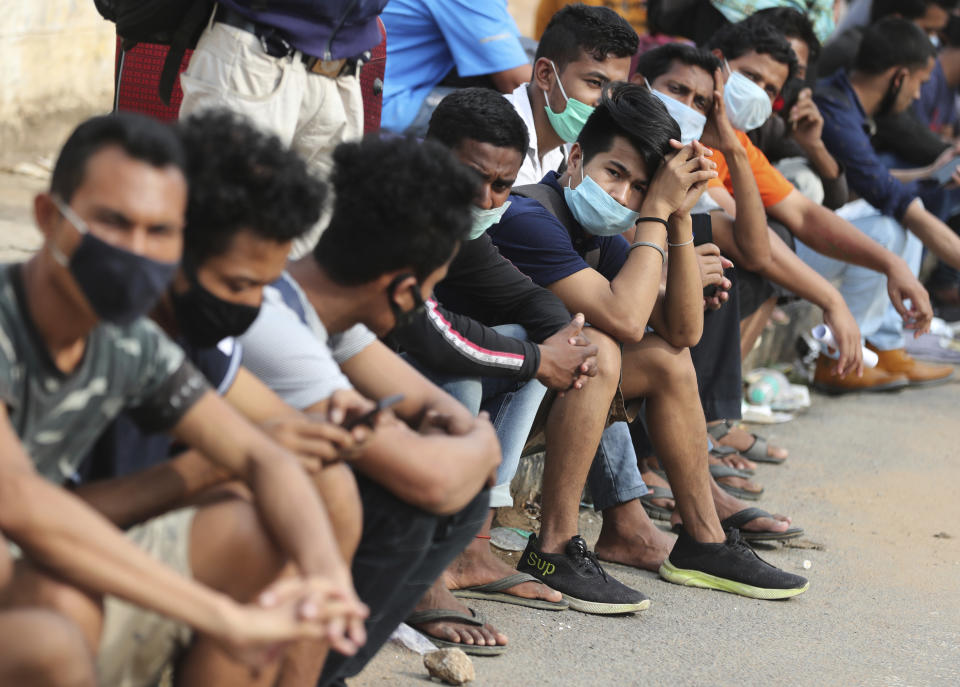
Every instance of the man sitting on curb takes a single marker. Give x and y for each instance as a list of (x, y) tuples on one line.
[(623, 175), (75, 353), (418, 478), (895, 58)]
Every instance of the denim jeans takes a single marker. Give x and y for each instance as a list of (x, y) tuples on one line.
[(614, 477), (864, 290), (512, 406)]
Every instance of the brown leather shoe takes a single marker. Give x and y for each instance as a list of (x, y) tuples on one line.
[(897, 361), (873, 379)]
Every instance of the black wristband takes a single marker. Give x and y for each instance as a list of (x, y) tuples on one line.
[(652, 219)]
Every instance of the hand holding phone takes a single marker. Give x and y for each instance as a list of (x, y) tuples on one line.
[(369, 418)]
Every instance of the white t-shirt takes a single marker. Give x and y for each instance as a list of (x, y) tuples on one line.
[(532, 170), (289, 349)]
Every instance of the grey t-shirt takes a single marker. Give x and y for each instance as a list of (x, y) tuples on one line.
[(58, 416), (289, 349)]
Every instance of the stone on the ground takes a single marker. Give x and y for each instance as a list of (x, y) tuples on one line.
[(450, 665)]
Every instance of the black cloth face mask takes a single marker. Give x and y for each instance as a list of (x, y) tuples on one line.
[(402, 317), (204, 319), (119, 285)]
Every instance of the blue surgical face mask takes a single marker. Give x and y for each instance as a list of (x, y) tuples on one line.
[(484, 219), (691, 122), (119, 285), (748, 105), (596, 210), (568, 123)]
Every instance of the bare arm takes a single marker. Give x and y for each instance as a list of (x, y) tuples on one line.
[(678, 315), (750, 220), (508, 80), (934, 234)]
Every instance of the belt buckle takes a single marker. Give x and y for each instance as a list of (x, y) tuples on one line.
[(328, 68)]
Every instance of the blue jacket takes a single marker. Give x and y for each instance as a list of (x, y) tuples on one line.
[(329, 29)]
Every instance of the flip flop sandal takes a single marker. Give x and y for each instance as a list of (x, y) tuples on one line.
[(721, 451), (758, 449), (720, 471), (653, 510), (493, 591), (434, 614), (740, 518)]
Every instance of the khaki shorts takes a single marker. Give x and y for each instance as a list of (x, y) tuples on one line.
[(136, 646)]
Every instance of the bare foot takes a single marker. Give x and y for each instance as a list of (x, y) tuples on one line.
[(736, 461), (727, 505), (742, 440), (477, 564), (652, 479), (629, 537), (439, 597)]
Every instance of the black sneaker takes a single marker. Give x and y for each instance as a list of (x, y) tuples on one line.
[(577, 575), (730, 567)]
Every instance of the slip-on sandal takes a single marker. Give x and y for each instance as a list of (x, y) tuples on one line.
[(653, 510), (493, 591), (720, 471), (758, 449), (740, 518), (434, 614), (720, 451)]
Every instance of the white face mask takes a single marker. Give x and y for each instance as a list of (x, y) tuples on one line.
[(691, 122), (747, 104)]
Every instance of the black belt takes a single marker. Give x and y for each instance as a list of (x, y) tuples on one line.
[(276, 45)]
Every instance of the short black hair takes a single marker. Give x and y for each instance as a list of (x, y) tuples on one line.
[(653, 63), (908, 9), (951, 34), (734, 40), (242, 179), (579, 28), (633, 112), (479, 114), (398, 204), (792, 24), (893, 42), (140, 137)]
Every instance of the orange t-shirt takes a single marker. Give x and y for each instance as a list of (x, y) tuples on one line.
[(772, 184)]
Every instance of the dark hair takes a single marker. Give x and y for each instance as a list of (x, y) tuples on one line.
[(242, 178), (951, 34), (893, 42), (792, 24), (734, 40), (479, 114), (140, 137), (596, 31), (398, 204), (908, 9), (656, 62), (631, 111)]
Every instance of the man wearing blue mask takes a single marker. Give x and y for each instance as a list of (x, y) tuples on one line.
[(624, 175), (760, 61), (582, 50)]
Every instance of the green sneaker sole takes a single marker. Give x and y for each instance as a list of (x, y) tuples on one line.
[(695, 578), (599, 608)]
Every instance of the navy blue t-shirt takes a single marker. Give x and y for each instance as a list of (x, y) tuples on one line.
[(534, 240), (124, 448)]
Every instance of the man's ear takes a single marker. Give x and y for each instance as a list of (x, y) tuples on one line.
[(543, 74), (638, 78), (718, 53), (45, 214), (575, 158)]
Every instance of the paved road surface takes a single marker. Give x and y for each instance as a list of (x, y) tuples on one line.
[(875, 481)]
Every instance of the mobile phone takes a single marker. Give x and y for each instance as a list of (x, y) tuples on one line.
[(944, 173), (368, 418)]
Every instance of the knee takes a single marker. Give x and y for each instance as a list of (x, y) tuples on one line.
[(338, 490), (673, 367), (608, 356), (67, 602), (59, 657), (227, 537)]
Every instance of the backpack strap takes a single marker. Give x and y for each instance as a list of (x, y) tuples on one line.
[(184, 38), (553, 201)]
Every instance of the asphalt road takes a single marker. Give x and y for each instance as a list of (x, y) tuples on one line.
[(874, 481)]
